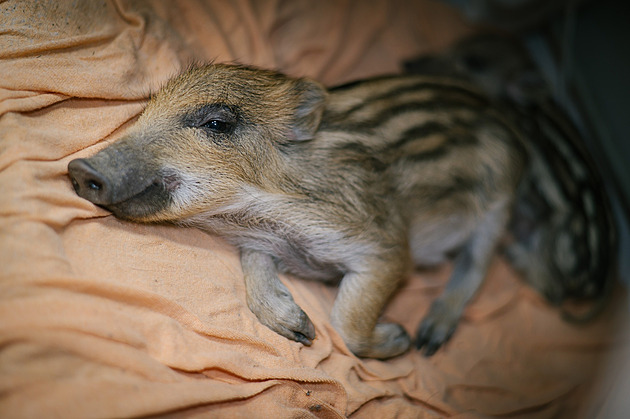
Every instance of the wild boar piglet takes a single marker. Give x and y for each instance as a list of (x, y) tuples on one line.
[(353, 184)]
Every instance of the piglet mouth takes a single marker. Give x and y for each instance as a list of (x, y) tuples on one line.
[(143, 205)]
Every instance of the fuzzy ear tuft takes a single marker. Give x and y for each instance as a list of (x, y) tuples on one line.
[(308, 113)]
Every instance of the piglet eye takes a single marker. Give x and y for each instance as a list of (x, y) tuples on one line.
[(214, 119), (217, 125)]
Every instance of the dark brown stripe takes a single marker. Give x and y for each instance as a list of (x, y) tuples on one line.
[(339, 122)]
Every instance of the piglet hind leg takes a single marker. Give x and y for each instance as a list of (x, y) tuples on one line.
[(270, 300), (359, 303), (469, 271)]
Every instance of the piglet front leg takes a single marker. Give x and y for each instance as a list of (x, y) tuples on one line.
[(270, 300), (360, 301)]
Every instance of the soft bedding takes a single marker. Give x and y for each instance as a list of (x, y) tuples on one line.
[(104, 318)]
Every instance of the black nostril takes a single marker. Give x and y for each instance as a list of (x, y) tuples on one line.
[(94, 184), (75, 184)]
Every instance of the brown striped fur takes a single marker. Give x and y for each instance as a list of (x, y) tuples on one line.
[(564, 235)]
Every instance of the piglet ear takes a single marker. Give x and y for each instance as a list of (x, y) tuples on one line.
[(308, 113)]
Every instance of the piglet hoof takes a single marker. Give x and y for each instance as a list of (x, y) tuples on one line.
[(436, 328), (388, 340), (279, 312), (298, 327)]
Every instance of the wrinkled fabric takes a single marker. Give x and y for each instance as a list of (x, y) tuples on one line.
[(105, 318)]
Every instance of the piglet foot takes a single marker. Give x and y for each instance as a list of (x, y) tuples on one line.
[(297, 327), (437, 327), (278, 311), (387, 341)]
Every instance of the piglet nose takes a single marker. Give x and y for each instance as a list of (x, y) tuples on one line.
[(89, 183)]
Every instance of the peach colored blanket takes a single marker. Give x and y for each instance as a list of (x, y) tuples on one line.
[(103, 318)]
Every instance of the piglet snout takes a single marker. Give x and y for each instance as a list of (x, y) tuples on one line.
[(89, 183)]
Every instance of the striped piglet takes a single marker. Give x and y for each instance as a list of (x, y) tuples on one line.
[(356, 183)]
